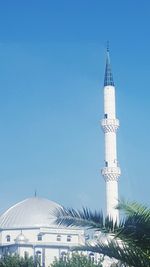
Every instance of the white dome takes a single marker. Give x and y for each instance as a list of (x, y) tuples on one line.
[(29, 213), (21, 238)]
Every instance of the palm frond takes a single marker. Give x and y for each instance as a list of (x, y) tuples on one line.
[(130, 256), (133, 231), (85, 218), (136, 226), (72, 217), (132, 208)]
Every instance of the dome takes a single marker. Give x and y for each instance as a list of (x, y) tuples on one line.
[(30, 213), (21, 238)]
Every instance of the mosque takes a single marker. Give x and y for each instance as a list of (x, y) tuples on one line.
[(28, 227)]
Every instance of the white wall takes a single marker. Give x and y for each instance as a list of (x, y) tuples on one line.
[(48, 235), (49, 246)]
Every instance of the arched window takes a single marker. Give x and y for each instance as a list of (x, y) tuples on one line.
[(8, 238), (39, 237), (63, 255), (91, 257), (58, 237), (38, 258), (106, 163), (68, 238), (87, 237), (26, 254)]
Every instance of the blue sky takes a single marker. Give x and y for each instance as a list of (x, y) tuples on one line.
[(52, 59)]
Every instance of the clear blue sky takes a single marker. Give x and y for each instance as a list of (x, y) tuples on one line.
[(52, 57)]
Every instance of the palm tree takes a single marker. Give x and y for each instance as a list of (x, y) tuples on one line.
[(128, 242)]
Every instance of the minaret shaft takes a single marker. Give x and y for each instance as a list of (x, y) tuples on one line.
[(109, 102), (112, 200), (110, 124), (110, 149)]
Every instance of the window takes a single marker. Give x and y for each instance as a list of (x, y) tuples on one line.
[(68, 238), (38, 258), (87, 237), (63, 256), (91, 257), (39, 237), (58, 237), (106, 163), (105, 116), (8, 238), (26, 254)]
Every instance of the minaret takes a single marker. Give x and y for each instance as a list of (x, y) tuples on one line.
[(110, 124)]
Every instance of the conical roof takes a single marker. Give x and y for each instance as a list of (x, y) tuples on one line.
[(108, 78)]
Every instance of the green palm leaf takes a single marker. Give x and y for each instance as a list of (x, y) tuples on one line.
[(136, 226), (129, 256), (85, 218), (133, 232)]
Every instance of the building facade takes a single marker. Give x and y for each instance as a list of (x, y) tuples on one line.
[(28, 229)]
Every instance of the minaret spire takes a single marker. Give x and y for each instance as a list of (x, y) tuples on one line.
[(107, 46), (110, 124), (108, 79)]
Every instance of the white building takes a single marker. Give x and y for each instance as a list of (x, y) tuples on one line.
[(28, 228)]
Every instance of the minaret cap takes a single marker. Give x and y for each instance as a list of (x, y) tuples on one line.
[(108, 79)]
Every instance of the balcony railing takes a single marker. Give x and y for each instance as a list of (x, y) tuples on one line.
[(105, 122)]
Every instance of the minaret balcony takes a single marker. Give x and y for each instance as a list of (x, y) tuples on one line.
[(109, 125), (111, 173)]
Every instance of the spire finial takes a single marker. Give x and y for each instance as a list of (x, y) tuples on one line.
[(108, 79), (107, 46)]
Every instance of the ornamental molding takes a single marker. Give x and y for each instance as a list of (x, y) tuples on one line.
[(111, 173), (109, 125)]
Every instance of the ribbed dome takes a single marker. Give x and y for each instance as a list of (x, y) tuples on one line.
[(29, 213)]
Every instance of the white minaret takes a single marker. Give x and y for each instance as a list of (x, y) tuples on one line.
[(110, 124)]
